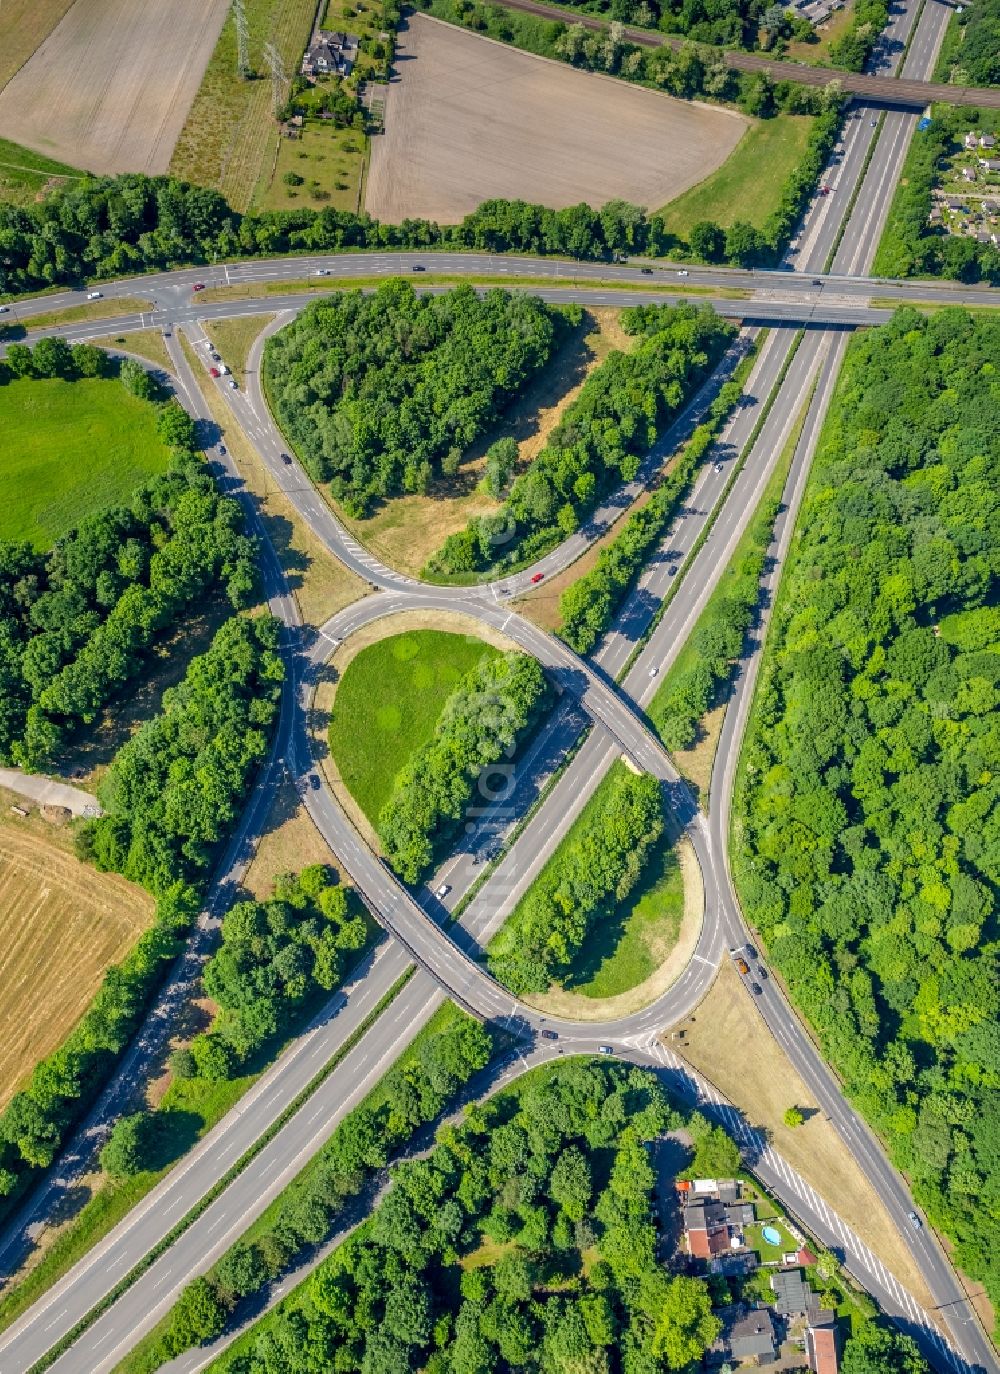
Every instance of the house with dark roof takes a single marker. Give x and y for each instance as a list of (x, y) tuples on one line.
[(706, 1229), (754, 1336), (739, 1214), (823, 1344), (330, 54), (792, 1296)]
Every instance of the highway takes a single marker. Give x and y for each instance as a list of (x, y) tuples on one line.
[(617, 728)]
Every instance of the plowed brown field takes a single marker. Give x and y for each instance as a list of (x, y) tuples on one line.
[(61, 925), (109, 88), (468, 119)]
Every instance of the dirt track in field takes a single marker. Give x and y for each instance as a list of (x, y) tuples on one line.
[(109, 88), (61, 925), (468, 119)]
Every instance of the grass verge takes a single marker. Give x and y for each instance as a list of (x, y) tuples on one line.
[(69, 448), (388, 704)]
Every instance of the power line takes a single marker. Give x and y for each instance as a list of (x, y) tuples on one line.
[(276, 63), (242, 40)]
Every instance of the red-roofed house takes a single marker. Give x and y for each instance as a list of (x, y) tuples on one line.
[(706, 1229), (823, 1349), (805, 1257)]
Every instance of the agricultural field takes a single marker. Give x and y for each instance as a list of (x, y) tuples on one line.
[(70, 448), (61, 925), (24, 24), (229, 139), (64, 103), (748, 184), (387, 705), (469, 119), (25, 176)]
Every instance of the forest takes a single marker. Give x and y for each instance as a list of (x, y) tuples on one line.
[(731, 24), (276, 957), (866, 825), (489, 712), (599, 441), (381, 393), (911, 246), (77, 620), (580, 885), (179, 783), (979, 55)]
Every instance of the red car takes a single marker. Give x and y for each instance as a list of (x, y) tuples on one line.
[(198, 286), (538, 577), (214, 372)]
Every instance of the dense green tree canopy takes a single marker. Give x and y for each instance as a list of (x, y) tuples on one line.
[(382, 392), (868, 830)]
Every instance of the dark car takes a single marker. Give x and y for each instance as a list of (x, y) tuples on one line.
[(756, 989), (761, 971), (418, 267), (817, 281), (198, 286), (286, 458), (647, 271), (314, 781), (751, 953), (605, 1049), (549, 1035)]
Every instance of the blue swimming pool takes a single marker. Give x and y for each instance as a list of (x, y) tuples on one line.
[(772, 1236)]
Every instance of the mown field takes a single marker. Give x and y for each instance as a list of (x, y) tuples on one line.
[(61, 925), (748, 185), (68, 449), (388, 703)]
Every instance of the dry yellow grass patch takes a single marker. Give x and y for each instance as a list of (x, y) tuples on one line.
[(322, 586), (697, 762), (61, 925), (24, 24), (234, 338), (107, 309), (289, 843), (323, 698), (574, 1006), (408, 529), (727, 1040)]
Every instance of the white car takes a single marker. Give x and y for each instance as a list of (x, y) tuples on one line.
[(322, 272), (232, 383), (4, 309), (718, 467), (653, 671), (682, 272), (443, 890), (93, 295)]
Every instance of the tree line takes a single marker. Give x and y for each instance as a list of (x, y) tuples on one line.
[(594, 869), (587, 605), (381, 393), (77, 621), (747, 24), (978, 58), (911, 246), (716, 643), (446, 1055), (598, 443), (867, 821), (489, 712), (172, 793), (473, 1262)]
